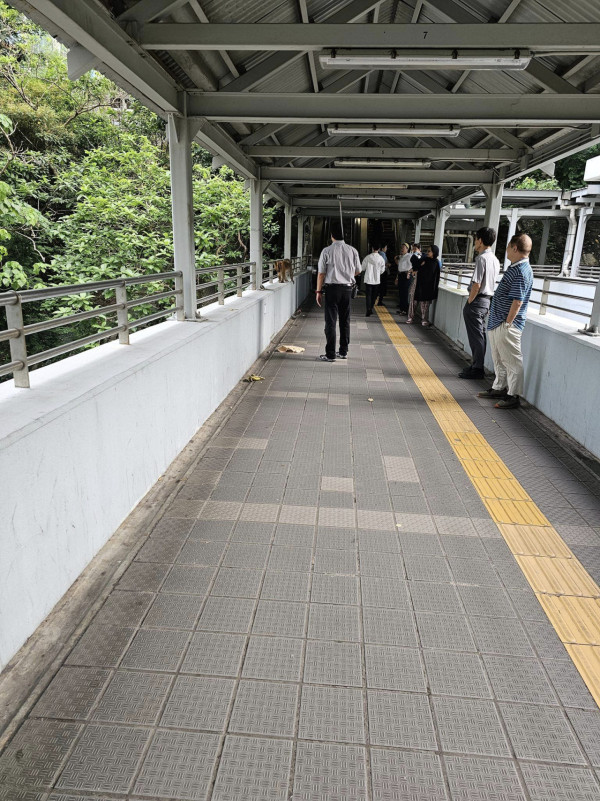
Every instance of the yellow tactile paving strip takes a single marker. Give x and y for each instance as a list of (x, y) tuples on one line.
[(567, 593)]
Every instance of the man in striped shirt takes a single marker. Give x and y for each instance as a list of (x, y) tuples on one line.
[(508, 312)]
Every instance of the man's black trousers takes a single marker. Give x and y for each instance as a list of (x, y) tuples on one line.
[(403, 287), (475, 315), (371, 292), (337, 305)]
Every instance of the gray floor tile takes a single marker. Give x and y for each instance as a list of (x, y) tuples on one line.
[(519, 679), (155, 649), (407, 776), (198, 702), (265, 708), (35, 753), (454, 673), (384, 565), (385, 592), (333, 663), (560, 783), (334, 622), (280, 618), (105, 759), (276, 658), (178, 765), (253, 769), (334, 589), (227, 614), (500, 635), (427, 568), (330, 560), (286, 586), (475, 779), (198, 552), (188, 579), (290, 534), (389, 626), (430, 597), (143, 576), (133, 698), (290, 559), (216, 654), (237, 583), (446, 632), (246, 555), (330, 771), (332, 713), (101, 646), (587, 727), (400, 719), (390, 668), (489, 601), (470, 726), (71, 693), (541, 732)]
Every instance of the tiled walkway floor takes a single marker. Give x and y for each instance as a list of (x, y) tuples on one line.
[(326, 612)]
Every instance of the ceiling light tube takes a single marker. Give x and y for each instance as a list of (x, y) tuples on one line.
[(372, 186), (394, 130), (394, 163), (366, 197), (427, 59)]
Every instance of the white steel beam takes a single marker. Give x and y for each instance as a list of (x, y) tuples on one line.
[(349, 13), (334, 191), (482, 110), (374, 175), (287, 231), (257, 188), (437, 154), (540, 38)]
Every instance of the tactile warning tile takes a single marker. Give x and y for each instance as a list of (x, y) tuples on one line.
[(285, 586), (35, 753), (407, 776), (71, 693), (574, 619), (470, 726), (334, 622), (265, 708), (333, 663), (330, 771), (454, 673), (390, 668), (173, 611), (558, 577), (389, 626), (105, 759), (541, 732), (276, 658), (198, 702), (472, 778), (253, 769), (332, 713), (587, 661), (178, 765), (280, 618), (216, 654), (133, 698), (400, 719), (534, 541), (447, 632), (154, 649), (559, 783)]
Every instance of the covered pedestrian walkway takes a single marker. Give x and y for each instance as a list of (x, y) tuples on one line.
[(370, 585)]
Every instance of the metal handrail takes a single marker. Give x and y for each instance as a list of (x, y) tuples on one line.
[(231, 279)]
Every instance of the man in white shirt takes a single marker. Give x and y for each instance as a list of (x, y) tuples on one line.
[(373, 266), (481, 290), (339, 264)]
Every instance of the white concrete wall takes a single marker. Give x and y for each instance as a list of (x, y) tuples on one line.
[(81, 448), (562, 367)]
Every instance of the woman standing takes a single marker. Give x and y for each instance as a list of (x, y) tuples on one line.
[(428, 279), (404, 279), (415, 260)]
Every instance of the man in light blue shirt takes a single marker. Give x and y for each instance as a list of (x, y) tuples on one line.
[(508, 312)]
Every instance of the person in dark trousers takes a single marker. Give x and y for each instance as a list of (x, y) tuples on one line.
[(481, 290), (384, 275), (403, 281), (428, 279), (339, 264), (373, 266)]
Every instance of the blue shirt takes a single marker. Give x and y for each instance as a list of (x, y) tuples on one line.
[(516, 284)]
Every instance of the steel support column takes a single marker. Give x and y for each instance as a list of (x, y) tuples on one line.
[(440, 226), (287, 232), (544, 242), (569, 243), (579, 240), (491, 219), (513, 219), (418, 231), (181, 133), (300, 241), (257, 188)]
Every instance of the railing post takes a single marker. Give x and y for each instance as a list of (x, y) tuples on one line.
[(180, 313), (122, 313), (592, 329), (18, 345), (459, 282), (270, 273), (544, 297), (239, 280), (221, 285), (253, 275)]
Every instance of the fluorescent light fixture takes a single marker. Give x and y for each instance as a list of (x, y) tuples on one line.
[(371, 186), (380, 163), (394, 130), (366, 197), (427, 59), (361, 212)]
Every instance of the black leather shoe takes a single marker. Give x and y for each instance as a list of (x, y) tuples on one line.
[(470, 372)]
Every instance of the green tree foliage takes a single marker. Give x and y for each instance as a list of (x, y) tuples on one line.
[(85, 186)]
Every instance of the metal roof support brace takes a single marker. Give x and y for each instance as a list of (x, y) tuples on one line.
[(182, 131), (257, 188), (493, 193), (513, 219), (579, 240), (569, 243), (287, 232)]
